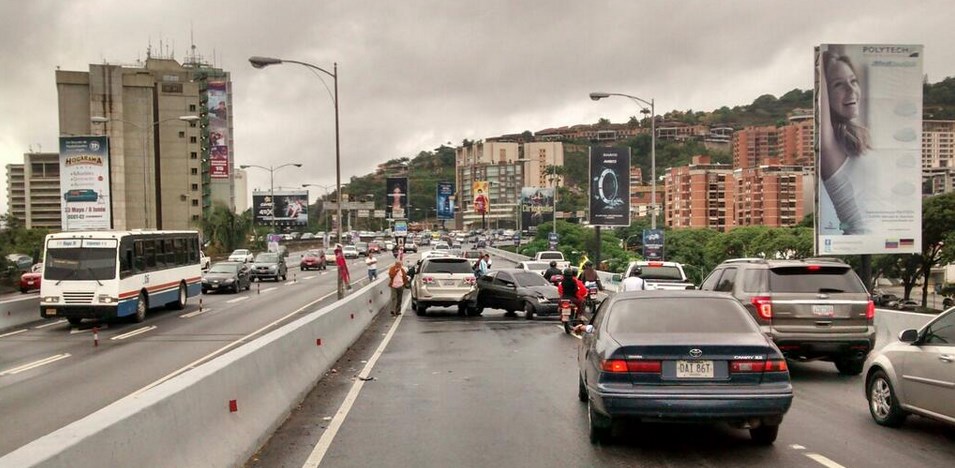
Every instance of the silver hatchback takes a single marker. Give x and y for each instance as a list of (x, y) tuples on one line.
[(915, 375)]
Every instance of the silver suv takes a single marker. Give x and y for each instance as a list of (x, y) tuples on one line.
[(816, 308), (444, 281)]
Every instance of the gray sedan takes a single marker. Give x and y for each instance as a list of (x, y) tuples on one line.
[(915, 375)]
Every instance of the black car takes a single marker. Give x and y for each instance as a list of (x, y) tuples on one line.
[(226, 276), (269, 265), (687, 356), (515, 289)]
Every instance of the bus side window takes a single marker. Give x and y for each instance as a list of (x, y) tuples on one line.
[(193, 246), (140, 260), (126, 263), (149, 251)]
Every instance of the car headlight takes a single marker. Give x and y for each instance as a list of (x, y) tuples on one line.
[(230, 280), (542, 299), (105, 299), (51, 299), (272, 268)]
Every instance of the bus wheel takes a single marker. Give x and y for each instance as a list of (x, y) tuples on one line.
[(142, 305), (181, 300), (75, 321)]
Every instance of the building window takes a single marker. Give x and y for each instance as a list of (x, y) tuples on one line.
[(182, 134), (193, 155), (192, 107), (192, 123), (192, 139), (195, 202), (195, 187), (195, 217), (194, 171)]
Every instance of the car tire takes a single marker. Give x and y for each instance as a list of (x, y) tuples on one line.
[(883, 404), (142, 306), (528, 311), (474, 311), (601, 427), (764, 434), (462, 309), (581, 390), (24, 290), (181, 298), (420, 309), (848, 366)]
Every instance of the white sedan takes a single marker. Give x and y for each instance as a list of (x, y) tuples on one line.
[(241, 255)]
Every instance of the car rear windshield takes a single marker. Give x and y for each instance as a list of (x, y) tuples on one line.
[(526, 278), (266, 258), (551, 256), (679, 315), (814, 279), (447, 265), (661, 273)]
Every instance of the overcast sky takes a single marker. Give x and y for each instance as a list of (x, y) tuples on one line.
[(416, 74)]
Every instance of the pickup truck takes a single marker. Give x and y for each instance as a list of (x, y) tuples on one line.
[(552, 255), (659, 275)]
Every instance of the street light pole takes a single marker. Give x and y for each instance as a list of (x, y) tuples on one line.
[(262, 62), (271, 170), (145, 128), (325, 191), (596, 96)]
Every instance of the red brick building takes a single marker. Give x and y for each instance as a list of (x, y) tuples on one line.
[(769, 195), (701, 195)]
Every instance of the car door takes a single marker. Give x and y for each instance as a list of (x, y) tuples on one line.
[(486, 293), (928, 375), (504, 282)]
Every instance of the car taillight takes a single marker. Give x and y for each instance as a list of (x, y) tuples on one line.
[(870, 310), (427, 280), (744, 367), (639, 366), (470, 280), (764, 306)]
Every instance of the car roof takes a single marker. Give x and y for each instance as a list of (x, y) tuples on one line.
[(774, 263), (673, 293)]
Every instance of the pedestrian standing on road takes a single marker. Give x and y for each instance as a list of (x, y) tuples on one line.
[(372, 263), (482, 266), (398, 280), (342, 266), (634, 282)]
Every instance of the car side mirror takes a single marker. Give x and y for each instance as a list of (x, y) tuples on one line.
[(909, 336), (616, 278)]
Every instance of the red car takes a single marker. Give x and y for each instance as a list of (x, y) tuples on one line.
[(373, 247), (313, 260), (30, 280)]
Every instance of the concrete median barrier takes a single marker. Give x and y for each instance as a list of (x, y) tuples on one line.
[(220, 413), (19, 310)]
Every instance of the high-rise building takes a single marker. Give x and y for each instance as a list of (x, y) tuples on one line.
[(769, 195), (700, 195), (487, 152), (241, 178), (170, 136), (538, 157), (752, 145), (504, 192), (41, 172), (938, 144), (16, 191)]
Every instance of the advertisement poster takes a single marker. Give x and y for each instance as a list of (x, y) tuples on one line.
[(609, 186), (869, 120), (537, 206), (218, 129), (396, 197), (291, 208), (445, 200), (84, 183), (653, 244), (481, 202)]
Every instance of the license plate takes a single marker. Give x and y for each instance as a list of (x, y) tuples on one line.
[(50, 311), (823, 310), (448, 283), (564, 315), (29, 283), (215, 286), (694, 369)]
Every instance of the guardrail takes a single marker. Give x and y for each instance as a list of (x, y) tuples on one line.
[(17, 309), (219, 413)]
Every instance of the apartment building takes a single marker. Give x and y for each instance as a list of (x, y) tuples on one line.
[(753, 145), (16, 191), (640, 200), (796, 141), (505, 181), (700, 195), (938, 144), (769, 195), (486, 152), (537, 157)]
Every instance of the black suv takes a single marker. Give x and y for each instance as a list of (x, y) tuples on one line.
[(269, 265), (816, 308)]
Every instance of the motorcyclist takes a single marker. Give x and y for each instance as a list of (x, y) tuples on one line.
[(552, 270), (572, 289), (590, 275)]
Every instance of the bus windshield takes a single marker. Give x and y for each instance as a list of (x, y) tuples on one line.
[(80, 264)]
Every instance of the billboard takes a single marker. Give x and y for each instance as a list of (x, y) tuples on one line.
[(609, 186), (396, 197), (869, 137), (218, 113), (481, 202), (291, 208), (445, 200), (537, 206), (85, 183), (653, 242)]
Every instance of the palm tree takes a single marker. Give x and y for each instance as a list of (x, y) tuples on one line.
[(226, 229)]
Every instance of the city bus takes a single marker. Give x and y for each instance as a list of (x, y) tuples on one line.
[(112, 274)]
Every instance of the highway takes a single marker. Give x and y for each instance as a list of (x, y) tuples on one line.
[(499, 391), (51, 374)]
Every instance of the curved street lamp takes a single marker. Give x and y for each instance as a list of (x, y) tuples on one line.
[(596, 96), (262, 62), (145, 129)]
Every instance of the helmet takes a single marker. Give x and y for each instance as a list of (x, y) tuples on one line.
[(589, 264), (568, 272), (553, 263), (637, 271)]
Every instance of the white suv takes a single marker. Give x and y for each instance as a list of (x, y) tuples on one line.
[(444, 281)]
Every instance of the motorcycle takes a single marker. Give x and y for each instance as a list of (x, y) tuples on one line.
[(591, 302), (568, 314), (556, 279)]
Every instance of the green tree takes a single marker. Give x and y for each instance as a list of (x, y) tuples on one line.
[(688, 246), (225, 229), (938, 223)]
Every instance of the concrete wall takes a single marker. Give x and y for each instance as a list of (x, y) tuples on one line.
[(186, 420), (16, 311)]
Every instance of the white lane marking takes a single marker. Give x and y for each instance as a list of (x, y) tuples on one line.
[(823, 460), (133, 333), (74, 331), (287, 283), (193, 314), (19, 299), (797, 447), (225, 348), (13, 333), (35, 364), (308, 277), (49, 324), (238, 299), (268, 289), (324, 442)]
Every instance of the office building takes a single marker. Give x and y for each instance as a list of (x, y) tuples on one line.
[(700, 195)]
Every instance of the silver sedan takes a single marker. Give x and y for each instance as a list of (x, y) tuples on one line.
[(915, 375)]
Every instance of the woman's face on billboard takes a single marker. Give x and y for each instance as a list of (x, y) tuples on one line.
[(844, 91)]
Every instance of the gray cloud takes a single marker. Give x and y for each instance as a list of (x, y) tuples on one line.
[(418, 73)]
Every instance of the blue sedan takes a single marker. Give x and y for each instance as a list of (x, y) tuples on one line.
[(687, 356)]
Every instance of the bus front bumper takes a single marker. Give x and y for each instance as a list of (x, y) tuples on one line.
[(72, 311)]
